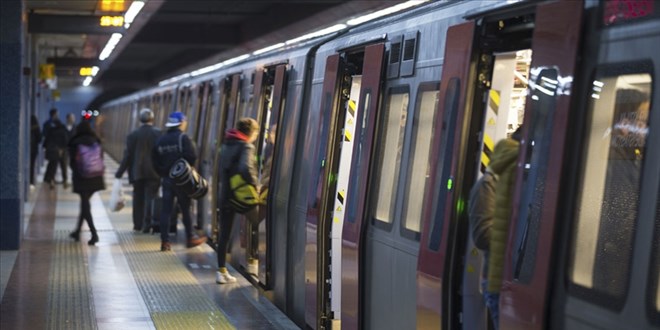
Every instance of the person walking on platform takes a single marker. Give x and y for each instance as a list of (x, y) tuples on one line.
[(35, 138), (169, 148), (86, 160), (141, 172), (55, 143), (236, 156)]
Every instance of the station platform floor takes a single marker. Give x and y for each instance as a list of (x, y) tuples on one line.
[(124, 281)]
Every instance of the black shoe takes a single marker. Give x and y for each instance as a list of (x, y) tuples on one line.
[(75, 235), (165, 246), (93, 241), (146, 230)]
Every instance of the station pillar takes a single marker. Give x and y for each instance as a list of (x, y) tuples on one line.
[(12, 125)]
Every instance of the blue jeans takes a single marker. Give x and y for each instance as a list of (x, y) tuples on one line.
[(492, 301)]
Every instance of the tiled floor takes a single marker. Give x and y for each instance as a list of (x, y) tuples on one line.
[(124, 282)]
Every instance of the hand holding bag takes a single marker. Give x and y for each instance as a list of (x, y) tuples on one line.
[(117, 201)]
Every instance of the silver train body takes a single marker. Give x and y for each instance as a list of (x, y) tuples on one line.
[(381, 130)]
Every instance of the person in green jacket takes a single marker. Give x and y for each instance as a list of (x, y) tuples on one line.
[(490, 212)]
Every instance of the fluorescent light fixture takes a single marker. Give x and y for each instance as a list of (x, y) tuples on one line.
[(319, 33), (207, 69), (110, 46), (386, 11), (132, 11), (95, 70), (174, 79), (236, 59), (269, 48), (87, 81)]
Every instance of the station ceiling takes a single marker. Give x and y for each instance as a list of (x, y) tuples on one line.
[(169, 37)]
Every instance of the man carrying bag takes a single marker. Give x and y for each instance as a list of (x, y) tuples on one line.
[(169, 148)]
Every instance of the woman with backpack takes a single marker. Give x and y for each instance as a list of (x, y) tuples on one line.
[(236, 157), (86, 161)]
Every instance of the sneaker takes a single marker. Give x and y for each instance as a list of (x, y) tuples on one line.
[(222, 278), (253, 267), (165, 246), (195, 240)]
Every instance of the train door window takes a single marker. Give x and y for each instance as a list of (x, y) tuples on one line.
[(609, 184), (418, 172), (392, 133)]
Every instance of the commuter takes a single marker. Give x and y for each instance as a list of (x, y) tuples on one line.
[(141, 172), (170, 147), (87, 174), (489, 210), (35, 138), (236, 156), (55, 143), (70, 124)]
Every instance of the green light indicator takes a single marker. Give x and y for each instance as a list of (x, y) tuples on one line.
[(323, 163), (450, 183), (460, 205)]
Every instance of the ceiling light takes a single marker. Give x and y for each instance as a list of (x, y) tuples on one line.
[(385, 11), (132, 11), (87, 81), (110, 46)]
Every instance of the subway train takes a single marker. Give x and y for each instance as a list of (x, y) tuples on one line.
[(372, 137)]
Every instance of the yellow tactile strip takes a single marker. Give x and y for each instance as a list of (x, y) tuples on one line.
[(70, 300), (172, 294)]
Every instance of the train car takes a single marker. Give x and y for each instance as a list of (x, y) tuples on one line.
[(372, 138)]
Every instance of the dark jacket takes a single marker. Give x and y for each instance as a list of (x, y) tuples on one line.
[(236, 156), (56, 138), (168, 150), (81, 184), (137, 155)]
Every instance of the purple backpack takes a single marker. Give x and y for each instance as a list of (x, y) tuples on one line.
[(89, 159)]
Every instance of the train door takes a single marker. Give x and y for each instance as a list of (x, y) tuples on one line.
[(491, 84), (222, 119), (268, 101), (608, 270), (203, 104)]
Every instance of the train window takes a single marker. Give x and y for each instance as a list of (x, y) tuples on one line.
[(609, 184), (543, 100), (389, 153), (440, 191), (418, 171)]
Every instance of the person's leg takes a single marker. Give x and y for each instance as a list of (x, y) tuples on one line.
[(86, 212), (184, 205), (224, 232), (33, 160), (168, 200), (150, 193), (64, 166), (50, 172), (138, 204)]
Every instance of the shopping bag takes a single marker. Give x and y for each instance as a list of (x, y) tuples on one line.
[(117, 200)]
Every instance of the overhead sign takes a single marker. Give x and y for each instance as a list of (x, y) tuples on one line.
[(112, 21), (46, 71)]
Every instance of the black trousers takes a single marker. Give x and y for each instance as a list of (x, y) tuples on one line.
[(86, 213), (144, 192), (227, 215), (169, 192), (52, 167)]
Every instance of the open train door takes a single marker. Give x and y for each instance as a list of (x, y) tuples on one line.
[(433, 253), (527, 273), (229, 91)]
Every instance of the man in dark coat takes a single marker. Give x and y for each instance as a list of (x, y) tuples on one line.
[(56, 139), (35, 138), (169, 148), (141, 172)]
